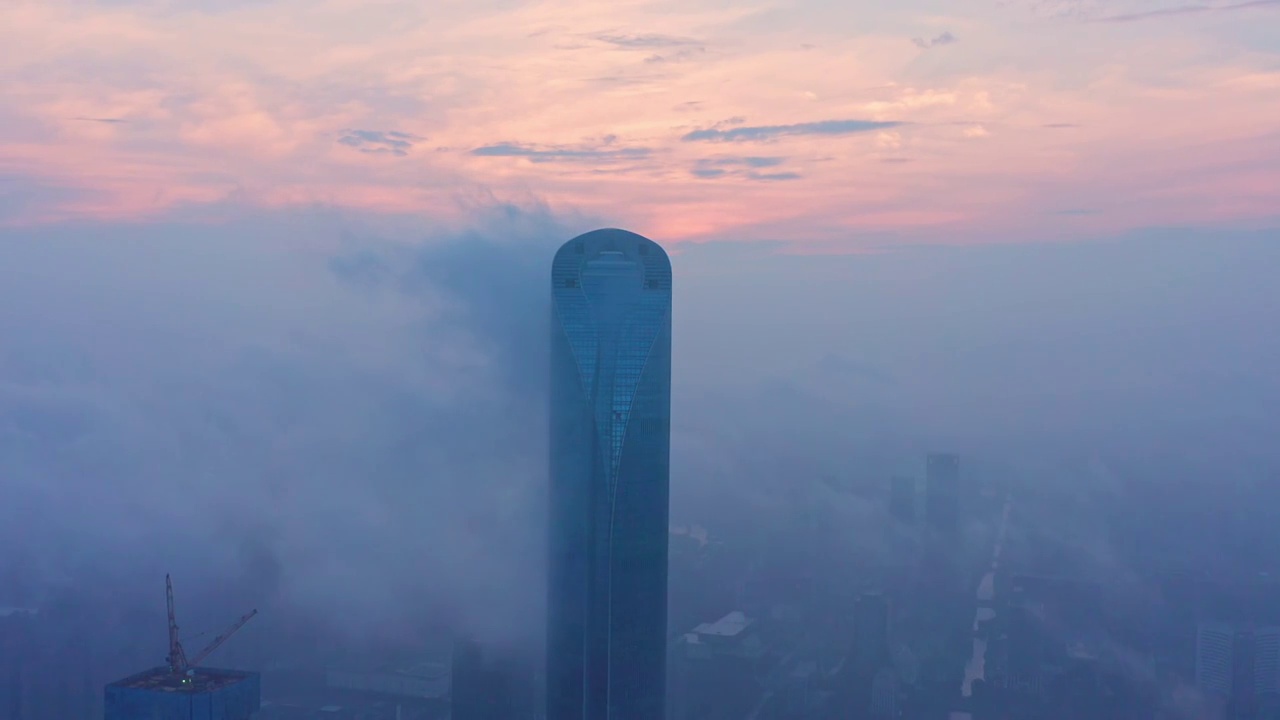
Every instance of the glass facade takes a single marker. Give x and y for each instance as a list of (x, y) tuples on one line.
[(610, 458)]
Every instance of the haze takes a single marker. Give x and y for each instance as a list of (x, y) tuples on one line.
[(273, 294)]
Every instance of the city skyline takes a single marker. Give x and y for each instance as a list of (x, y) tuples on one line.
[(971, 414)]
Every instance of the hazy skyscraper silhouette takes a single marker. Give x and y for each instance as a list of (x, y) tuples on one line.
[(610, 457), (942, 492), (902, 499)]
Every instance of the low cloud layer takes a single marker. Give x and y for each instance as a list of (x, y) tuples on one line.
[(349, 433)]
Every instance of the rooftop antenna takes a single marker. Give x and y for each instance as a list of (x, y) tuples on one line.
[(177, 658)]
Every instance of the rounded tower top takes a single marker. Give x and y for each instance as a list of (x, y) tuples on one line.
[(609, 245)]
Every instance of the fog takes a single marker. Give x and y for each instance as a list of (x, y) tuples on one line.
[(343, 426)]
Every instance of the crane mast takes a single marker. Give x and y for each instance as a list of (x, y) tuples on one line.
[(177, 658)]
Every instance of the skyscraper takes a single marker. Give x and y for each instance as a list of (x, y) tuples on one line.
[(942, 492), (610, 457), (1238, 664), (870, 632), (902, 499), (489, 683)]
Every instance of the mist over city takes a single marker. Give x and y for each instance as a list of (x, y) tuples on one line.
[(809, 361)]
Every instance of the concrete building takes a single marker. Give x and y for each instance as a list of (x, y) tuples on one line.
[(715, 656), (870, 633), (1238, 666), (884, 695), (942, 492), (902, 499), (205, 694), (489, 685)]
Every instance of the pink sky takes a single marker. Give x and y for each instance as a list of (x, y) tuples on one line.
[(1005, 118)]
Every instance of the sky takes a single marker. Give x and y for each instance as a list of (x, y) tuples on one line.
[(273, 273), (813, 120)]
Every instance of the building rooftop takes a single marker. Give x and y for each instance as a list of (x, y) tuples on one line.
[(727, 626), (7, 611), (161, 679)]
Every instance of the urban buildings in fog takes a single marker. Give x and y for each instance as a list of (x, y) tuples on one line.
[(491, 684), (1237, 667), (609, 456), (902, 499), (942, 492)]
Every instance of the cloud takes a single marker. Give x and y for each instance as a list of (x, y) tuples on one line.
[(946, 38), (336, 417), (749, 161), (318, 408), (1187, 10), (676, 57), (768, 132), (1059, 126), (645, 41), (107, 121), (747, 165), (379, 142), (546, 154), (25, 199)]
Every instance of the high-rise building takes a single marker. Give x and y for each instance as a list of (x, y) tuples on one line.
[(902, 499), (610, 457), (1215, 658), (486, 684), (1266, 660), (870, 632), (942, 492), (884, 695), (205, 694), (1238, 665)]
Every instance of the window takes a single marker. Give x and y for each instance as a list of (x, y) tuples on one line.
[(652, 284), (571, 282), (652, 426), (579, 248), (643, 249)]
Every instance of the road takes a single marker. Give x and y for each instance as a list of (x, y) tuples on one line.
[(975, 668)]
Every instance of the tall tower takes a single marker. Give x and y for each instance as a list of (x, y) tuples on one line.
[(870, 632), (942, 492), (610, 458)]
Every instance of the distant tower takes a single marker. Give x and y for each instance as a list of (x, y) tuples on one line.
[(902, 499), (1215, 657), (884, 695), (870, 632), (942, 492), (1239, 666), (1266, 661), (610, 456), (485, 687)]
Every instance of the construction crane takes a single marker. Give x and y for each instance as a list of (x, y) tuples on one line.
[(177, 659)]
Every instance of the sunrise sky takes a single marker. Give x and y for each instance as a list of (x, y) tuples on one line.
[(684, 119)]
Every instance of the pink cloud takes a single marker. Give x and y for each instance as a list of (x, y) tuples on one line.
[(282, 106)]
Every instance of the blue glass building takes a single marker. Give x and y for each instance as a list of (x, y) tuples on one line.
[(610, 458)]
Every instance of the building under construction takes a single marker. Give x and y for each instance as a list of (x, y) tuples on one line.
[(180, 690), (206, 694)]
